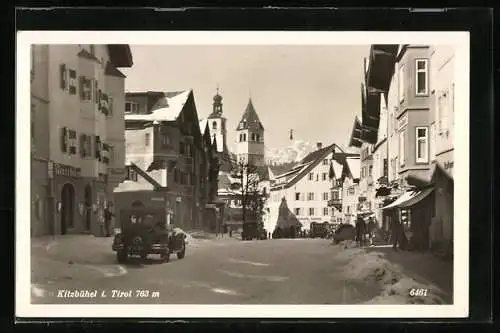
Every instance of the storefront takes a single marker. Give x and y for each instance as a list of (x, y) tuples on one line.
[(78, 203)]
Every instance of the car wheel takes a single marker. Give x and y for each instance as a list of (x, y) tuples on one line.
[(165, 256), (182, 253), (121, 256)]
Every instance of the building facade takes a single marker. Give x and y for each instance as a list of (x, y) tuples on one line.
[(165, 146), (250, 138), (307, 187), (77, 95)]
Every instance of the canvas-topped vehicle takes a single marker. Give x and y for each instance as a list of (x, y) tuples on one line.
[(146, 232)]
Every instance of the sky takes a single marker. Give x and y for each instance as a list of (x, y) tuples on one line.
[(314, 90)]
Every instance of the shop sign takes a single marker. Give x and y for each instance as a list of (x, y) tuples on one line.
[(403, 121), (117, 171), (157, 199), (65, 170)]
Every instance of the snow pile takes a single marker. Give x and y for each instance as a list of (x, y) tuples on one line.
[(373, 267), (396, 287), (409, 291)]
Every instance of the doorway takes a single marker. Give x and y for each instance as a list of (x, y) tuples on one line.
[(67, 207), (88, 207)]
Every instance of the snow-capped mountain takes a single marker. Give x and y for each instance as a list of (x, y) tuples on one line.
[(296, 151)]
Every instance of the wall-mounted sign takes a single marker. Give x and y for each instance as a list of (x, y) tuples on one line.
[(448, 165), (403, 121), (66, 170), (157, 199)]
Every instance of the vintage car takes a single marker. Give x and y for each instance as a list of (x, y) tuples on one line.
[(142, 234)]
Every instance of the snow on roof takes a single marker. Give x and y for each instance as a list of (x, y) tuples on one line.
[(131, 186), (203, 125), (337, 168), (295, 169), (354, 165), (169, 111), (220, 142), (143, 161)]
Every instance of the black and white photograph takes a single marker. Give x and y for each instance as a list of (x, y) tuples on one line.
[(245, 174)]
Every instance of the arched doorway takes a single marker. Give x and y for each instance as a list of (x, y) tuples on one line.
[(88, 206), (67, 207)]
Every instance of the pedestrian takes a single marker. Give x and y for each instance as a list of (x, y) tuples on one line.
[(108, 215), (395, 234), (230, 232), (360, 231)]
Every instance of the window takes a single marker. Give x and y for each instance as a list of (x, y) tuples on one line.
[(72, 82), (325, 211), (257, 137), (422, 145), (402, 148), (432, 135), (325, 161), (97, 147), (348, 209), (335, 195), (181, 148), (421, 77), (110, 105), (370, 170), (310, 196), (351, 190), (297, 211), (214, 125), (165, 139), (311, 176), (317, 177), (244, 137), (401, 83), (297, 195), (147, 139), (311, 211), (131, 174), (63, 76), (385, 167), (325, 176), (86, 88), (131, 107), (325, 196)]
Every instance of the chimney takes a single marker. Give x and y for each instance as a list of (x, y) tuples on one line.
[(319, 145)]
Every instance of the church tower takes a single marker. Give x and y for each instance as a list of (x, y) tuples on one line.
[(217, 124), (250, 137)]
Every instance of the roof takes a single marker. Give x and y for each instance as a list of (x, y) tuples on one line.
[(111, 70), (131, 186), (356, 134), (354, 164), (309, 162), (286, 218), (249, 117), (87, 55), (120, 55), (167, 108)]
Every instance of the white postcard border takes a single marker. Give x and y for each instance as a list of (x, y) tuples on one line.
[(460, 308)]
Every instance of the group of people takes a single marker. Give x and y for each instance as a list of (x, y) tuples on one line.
[(365, 231)]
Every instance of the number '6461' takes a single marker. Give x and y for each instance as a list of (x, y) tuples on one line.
[(418, 292)]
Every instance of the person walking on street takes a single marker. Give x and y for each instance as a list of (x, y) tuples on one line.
[(360, 231), (108, 216)]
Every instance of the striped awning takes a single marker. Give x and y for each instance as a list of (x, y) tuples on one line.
[(410, 198)]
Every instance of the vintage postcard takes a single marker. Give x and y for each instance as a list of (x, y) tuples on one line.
[(242, 174)]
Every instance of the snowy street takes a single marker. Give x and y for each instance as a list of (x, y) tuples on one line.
[(230, 271)]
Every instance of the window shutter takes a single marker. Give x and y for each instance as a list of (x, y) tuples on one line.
[(82, 83), (96, 96), (82, 145), (64, 141), (98, 147), (62, 77)]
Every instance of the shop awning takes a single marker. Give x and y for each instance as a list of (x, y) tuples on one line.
[(409, 198), (417, 198)]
